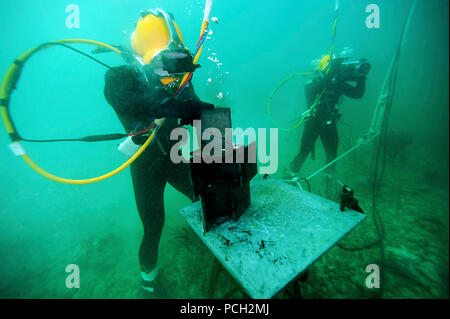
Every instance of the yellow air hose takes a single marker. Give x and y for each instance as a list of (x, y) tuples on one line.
[(8, 84), (269, 103), (305, 114)]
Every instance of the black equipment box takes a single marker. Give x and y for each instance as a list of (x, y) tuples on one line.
[(222, 184)]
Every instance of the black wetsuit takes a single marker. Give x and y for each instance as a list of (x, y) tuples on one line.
[(135, 103), (322, 121)]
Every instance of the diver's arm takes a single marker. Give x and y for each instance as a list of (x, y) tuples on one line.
[(354, 92), (187, 110), (187, 107), (120, 92)]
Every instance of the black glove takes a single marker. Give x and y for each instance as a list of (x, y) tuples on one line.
[(186, 110)]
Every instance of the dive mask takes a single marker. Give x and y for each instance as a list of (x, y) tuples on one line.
[(169, 66), (172, 63)]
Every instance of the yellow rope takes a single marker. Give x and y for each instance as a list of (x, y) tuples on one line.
[(42, 172), (6, 90), (304, 114), (269, 102)]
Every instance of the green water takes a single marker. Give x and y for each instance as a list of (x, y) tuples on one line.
[(45, 226)]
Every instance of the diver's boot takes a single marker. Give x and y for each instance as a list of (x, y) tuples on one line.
[(292, 178), (149, 279), (289, 175), (154, 284)]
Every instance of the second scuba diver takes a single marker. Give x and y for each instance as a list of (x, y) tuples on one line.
[(140, 93), (325, 91)]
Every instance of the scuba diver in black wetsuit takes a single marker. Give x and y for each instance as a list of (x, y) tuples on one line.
[(140, 96), (326, 91)]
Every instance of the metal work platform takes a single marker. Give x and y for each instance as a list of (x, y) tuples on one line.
[(283, 232)]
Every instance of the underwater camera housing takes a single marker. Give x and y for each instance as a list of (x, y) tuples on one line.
[(224, 184), (350, 70)]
